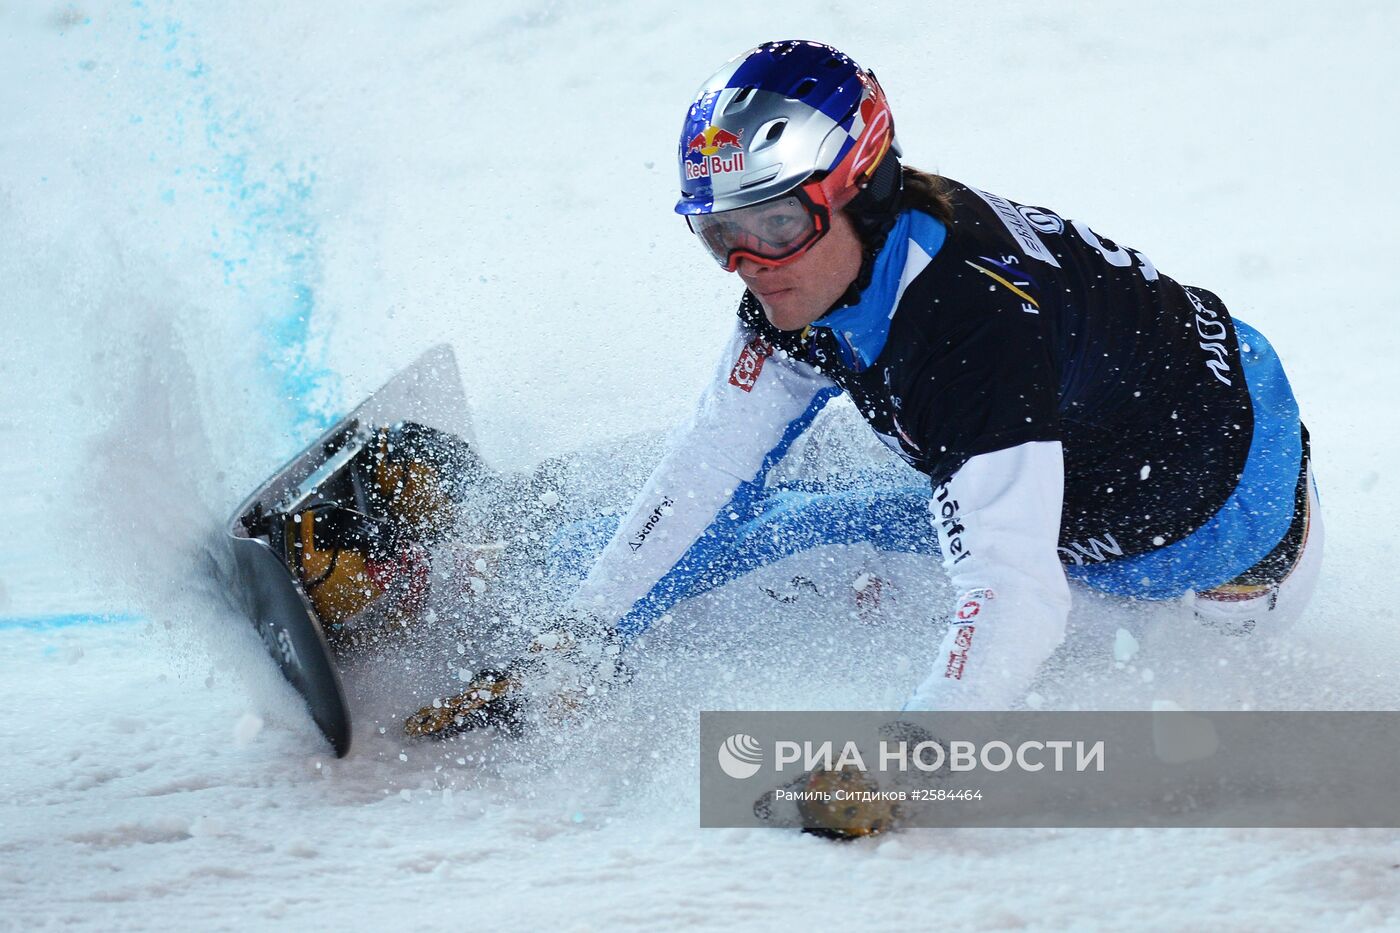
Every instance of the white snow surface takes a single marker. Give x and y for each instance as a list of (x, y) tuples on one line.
[(223, 223)]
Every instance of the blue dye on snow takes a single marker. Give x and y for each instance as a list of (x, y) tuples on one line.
[(66, 620), (265, 243)]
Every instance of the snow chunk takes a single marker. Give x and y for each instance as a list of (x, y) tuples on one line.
[(246, 729), (549, 499), (1125, 646), (1182, 738), (892, 848)]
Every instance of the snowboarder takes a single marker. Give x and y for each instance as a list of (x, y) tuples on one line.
[(1080, 415)]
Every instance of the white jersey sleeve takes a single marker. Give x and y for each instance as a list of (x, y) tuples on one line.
[(744, 413), (998, 521)]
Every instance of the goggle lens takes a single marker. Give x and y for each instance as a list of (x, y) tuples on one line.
[(772, 233)]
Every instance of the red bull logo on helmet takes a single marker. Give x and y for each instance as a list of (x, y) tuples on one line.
[(712, 139), (708, 143)]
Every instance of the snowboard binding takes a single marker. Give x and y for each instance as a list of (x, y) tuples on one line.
[(360, 545)]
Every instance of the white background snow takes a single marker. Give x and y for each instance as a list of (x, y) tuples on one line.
[(222, 223)]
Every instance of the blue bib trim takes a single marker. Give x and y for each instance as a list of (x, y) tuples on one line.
[(1250, 523), (862, 328)]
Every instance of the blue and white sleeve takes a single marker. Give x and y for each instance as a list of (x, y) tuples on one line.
[(757, 392)]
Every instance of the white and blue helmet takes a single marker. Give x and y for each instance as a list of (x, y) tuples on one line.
[(778, 116)]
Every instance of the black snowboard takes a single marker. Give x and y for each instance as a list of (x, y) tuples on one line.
[(428, 392)]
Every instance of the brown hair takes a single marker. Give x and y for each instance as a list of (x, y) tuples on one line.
[(873, 213), (926, 192)]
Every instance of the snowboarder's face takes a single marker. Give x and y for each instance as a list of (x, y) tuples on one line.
[(798, 293)]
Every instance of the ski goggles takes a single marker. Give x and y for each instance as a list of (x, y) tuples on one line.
[(771, 233)]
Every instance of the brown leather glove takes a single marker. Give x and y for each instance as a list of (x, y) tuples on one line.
[(563, 672)]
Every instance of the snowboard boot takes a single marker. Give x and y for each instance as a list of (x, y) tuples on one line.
[(1240, 606), (362, 551)]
